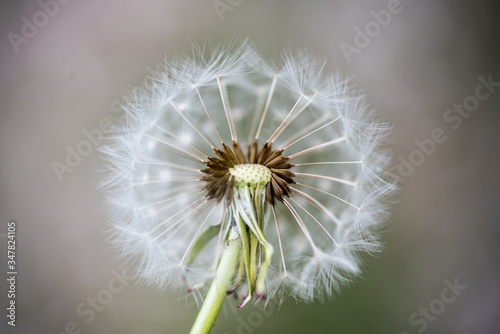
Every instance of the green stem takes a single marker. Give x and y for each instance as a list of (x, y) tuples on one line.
[(217, 292)]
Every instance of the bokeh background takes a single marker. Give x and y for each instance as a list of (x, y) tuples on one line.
[(66, 78)]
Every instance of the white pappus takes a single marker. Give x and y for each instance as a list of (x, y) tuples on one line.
[(223, 145)]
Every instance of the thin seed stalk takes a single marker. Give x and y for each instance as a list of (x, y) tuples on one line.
[(220, 285)]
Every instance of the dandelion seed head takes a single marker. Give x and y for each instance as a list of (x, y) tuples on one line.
[(282, 154)]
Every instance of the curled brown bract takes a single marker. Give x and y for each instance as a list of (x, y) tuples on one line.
[(219, 184)]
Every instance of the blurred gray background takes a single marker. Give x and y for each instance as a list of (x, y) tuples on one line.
[(63, 77)]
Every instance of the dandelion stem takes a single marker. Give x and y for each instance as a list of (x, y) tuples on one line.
[(217, 292)]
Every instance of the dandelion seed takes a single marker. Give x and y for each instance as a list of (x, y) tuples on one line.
[(285, 212)]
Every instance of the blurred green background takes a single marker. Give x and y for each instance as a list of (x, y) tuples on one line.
[(63, 77)]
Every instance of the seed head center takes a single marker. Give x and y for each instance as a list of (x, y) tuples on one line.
[(251, 174)]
